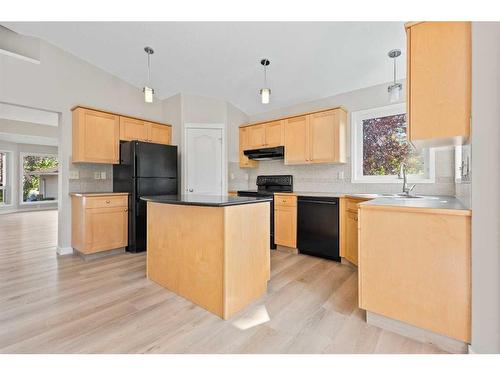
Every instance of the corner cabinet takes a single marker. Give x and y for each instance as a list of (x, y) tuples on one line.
[(349, 228), (439, 82), (99, 222), (316, 138), (96, 136)]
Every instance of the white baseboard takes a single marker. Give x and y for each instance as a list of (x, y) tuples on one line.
[(470, 350), (64, 250), (443, 342)]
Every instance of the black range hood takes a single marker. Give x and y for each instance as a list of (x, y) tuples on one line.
[(271, 153)]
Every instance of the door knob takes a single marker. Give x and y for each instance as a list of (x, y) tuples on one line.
[(190, 190)]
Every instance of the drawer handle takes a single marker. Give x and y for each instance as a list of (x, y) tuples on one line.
[(108, 202)]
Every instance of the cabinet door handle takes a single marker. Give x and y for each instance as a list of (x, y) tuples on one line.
[(126, 210)]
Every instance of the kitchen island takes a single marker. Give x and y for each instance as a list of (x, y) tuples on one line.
[(211, 250)]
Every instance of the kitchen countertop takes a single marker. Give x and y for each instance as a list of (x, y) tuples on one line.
[(205, 200), (96, 194), (426, 202)]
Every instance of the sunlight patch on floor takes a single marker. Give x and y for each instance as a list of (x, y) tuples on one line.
[(252, 319)]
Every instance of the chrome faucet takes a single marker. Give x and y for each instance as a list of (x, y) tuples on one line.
[(402, 175)]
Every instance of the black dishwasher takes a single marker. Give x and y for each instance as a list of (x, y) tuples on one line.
[(318, 226)]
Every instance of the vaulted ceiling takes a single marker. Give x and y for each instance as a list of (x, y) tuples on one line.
[(309, 60)]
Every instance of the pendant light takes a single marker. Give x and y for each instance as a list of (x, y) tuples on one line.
[(265, 93), (148, 91), (396, 88)]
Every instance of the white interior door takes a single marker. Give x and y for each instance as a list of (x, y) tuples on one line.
[(204, 161)]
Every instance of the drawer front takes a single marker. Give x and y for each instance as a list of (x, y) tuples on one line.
[(285, 200), (106, 201)]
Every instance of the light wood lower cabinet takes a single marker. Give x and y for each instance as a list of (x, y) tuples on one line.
[(349, 228), (285, 220), (415, 267), (99, 223)]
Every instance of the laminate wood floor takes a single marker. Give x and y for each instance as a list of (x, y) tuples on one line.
[(51, 304)]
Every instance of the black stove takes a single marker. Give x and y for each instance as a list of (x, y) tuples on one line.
[(267, 186)]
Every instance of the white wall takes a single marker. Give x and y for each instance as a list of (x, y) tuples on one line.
[(57, 84), (183, 109), (325, 177), (485, 187), (16, 149)]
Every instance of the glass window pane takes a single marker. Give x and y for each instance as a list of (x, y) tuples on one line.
[(40, 175), (385, 147)]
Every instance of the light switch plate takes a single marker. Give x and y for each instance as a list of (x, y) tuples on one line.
[(74, 175), (103, 175), (340, 175), (97, 175)]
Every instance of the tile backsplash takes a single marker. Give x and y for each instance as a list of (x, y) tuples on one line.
[(87, 182), (337, 177)]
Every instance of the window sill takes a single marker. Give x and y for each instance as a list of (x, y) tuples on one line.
[(399, 182), (34, 203)]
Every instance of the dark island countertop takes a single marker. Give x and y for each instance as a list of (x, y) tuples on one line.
[(205, 200)]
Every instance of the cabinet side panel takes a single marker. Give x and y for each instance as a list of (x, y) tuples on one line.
[(186, 252), (415, 267), (246, 255)]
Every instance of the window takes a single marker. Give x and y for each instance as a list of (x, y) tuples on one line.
[(380, 144), (39, 178), (4, 178)]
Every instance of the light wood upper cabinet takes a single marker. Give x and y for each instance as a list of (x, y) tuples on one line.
[(327, 136), (274, 134), (159, 133), (285, 220), (256, 137), (95, 137), (132, 129), (99, 223), (244, 161), (316, 138), (97, 134), (297, 140), (439, 82)]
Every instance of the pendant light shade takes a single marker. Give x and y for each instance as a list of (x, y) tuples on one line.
[(148, 94), (265, 93), (147, 90), (395, 89)]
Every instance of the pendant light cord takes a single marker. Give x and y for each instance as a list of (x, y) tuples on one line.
[(149, 68)]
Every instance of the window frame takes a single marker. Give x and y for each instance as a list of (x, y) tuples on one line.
[(357, 176), (9, 172), (21, 176)]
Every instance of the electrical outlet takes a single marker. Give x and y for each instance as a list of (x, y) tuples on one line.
[(340, 175), (97, 175), (74, 175), (231, 176), (103, 175)]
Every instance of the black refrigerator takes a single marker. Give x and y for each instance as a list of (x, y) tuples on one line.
[(144, 169)]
